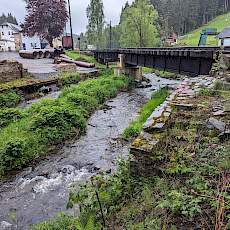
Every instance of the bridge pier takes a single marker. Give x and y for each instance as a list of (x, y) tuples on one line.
[(123, 69)]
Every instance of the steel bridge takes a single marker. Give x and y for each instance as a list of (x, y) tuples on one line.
[(191, 61)]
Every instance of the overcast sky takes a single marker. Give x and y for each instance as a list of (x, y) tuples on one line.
[(112, 10)]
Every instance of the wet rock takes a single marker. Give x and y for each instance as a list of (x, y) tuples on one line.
[(225, 135), (167, 115), (218, 125), (183, 106), (68, 169), (26, 172), (144, 144), (45, 89), (219, 113), (6, 226), (103, 166), (158, 126), (143, 85)]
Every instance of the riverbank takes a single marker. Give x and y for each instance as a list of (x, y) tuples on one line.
[(189, 184), (49, 122), (41, 191)]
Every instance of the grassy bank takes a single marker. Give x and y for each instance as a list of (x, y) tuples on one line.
[(193, 37), (47, 123), (190, 188), (135, 127)]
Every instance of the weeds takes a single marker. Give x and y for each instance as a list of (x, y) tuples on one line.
[(9, 115), (9, 99), (135, 127)]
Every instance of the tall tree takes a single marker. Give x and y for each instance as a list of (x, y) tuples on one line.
[(95, 15), (139, 25), (9, 18), (183, 16), (45, 18)]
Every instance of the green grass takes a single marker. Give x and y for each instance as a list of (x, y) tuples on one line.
[(70, 78), (135, 127), (64, 222), (82, 57), (51, 121), (192, 39)]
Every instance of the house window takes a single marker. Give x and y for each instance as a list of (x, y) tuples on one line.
[(9, 32), (2, 33)]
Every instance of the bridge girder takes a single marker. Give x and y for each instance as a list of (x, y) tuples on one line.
[(191, 61)]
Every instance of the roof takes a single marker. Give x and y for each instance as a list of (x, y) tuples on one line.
[(224, 34), (14, 27), (6, 40)]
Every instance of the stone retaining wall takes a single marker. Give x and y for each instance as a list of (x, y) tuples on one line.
[(11, 70), (144, 148)]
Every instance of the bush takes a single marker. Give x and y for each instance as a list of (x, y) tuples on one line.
[(9, 115), (56, 122), (9, 99), (86, 102), (69, 78), (18, 150)]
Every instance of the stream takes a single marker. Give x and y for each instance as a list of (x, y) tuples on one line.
[(40, 192)]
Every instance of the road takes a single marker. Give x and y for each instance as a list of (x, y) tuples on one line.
[(40, 68)]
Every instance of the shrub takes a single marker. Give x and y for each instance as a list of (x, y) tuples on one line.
[(54, 123), (9, 99), (86, 102), (18, 150), (180, 203), (9, 115), (69, 78)]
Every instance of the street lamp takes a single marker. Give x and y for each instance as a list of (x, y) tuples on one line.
[(70, 23)]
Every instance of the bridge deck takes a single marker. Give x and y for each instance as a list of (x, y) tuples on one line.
[(190, 61)]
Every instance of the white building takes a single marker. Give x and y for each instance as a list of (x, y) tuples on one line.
[(7, 41), (29, 43), (12, 38), (224, 37)]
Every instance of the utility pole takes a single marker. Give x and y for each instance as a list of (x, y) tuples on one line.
[(110, 35), (70, 23)]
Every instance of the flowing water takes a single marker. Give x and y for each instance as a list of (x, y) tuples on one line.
[(40, 192)]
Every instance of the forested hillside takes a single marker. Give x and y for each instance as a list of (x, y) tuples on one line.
[(183, 16), (8, 18), (180, 16)]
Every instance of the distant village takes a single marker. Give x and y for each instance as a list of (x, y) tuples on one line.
[(13, 39)]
